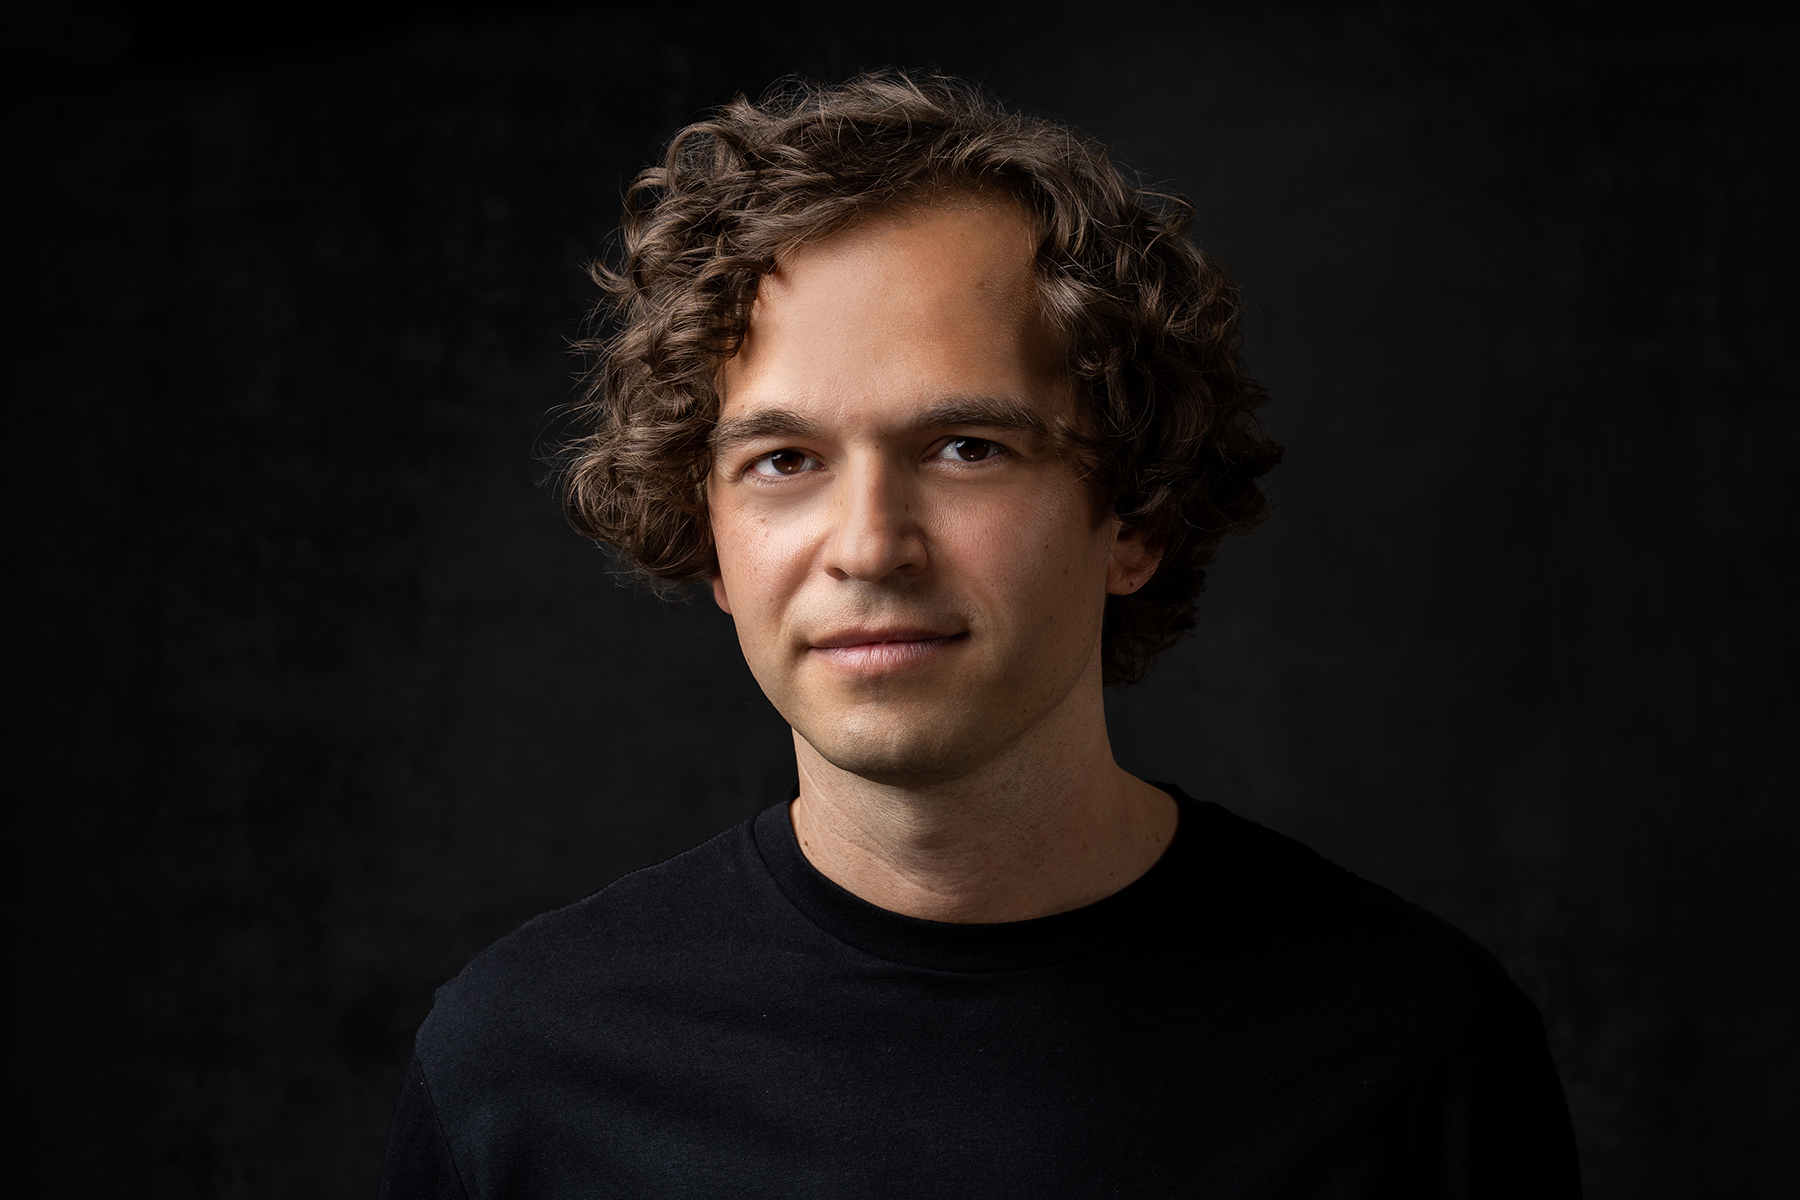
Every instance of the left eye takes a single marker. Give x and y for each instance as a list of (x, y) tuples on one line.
[(784, 462), (969, 449)]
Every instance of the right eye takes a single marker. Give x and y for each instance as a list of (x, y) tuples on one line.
[(784, 462)]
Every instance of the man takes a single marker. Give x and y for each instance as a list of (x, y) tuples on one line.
[(951, 418)]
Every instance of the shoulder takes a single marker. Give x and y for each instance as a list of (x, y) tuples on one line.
[(629, 935), (1405, 1022), (1319, 929)]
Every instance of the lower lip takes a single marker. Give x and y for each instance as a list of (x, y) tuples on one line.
[(883, 656)]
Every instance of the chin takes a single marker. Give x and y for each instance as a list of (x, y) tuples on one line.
[(899, 766), (894, 756)]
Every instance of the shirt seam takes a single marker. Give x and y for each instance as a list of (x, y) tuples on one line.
[(774, 877), (443, 1135)]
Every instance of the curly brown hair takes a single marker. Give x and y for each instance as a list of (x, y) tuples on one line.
[(1150, 325)]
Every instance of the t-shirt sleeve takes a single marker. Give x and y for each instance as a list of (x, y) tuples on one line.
[(418, 1165), (1523, 1139), (1502, 1128)]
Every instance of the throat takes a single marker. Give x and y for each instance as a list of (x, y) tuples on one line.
[(952, 855)]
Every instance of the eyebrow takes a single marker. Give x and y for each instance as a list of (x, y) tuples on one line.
[(763, 423), (986, 412), (982, 412)]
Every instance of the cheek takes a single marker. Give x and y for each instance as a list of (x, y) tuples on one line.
[(1044, 553), (754, 562)]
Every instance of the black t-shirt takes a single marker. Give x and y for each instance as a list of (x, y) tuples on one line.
[(1244, 1020)]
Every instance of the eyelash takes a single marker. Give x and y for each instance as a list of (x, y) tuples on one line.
[(991, 448), (805, 459)]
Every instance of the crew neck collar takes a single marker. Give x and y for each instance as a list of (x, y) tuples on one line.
[(946, 946)]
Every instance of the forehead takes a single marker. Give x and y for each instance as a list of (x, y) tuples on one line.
[(935, 298)]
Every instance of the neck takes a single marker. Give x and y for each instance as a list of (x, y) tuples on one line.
[(1052, 825)]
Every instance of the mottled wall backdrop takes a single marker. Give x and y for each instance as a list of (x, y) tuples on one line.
[(319, 695)]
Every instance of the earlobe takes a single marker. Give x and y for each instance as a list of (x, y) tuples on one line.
[(719, 597), (1132, 564)]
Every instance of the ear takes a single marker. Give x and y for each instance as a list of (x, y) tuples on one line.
[(1132, 562), (719, 596)]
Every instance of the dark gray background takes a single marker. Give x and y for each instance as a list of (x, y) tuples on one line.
[(320, 696)]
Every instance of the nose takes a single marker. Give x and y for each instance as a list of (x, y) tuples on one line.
[(875, 531)]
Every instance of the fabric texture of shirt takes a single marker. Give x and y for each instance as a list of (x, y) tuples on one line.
[(1245, 1020)]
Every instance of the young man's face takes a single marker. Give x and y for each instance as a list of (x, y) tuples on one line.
[(917, 577)]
